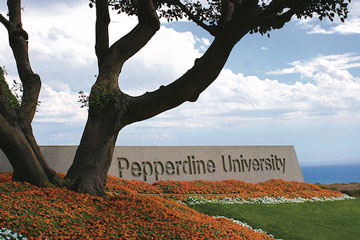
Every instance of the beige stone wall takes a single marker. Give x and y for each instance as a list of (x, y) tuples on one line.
[(184, 163)]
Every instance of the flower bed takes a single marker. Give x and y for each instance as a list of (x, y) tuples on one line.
[(271, 188), (130, 212), (186, 191), (54, 213)]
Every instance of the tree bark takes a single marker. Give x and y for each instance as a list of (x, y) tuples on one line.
[(21, 155), (88, 173), (19, 145)]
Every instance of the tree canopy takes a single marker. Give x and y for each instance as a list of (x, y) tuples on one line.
[(211, 15)]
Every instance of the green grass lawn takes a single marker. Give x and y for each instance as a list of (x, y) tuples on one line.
[(319, 220)]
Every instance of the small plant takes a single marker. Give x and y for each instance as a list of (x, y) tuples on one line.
[(100, 98), (15, 93), (83, 99), (11, 98)]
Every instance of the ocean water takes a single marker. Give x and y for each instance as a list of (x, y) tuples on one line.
[(331, 174)]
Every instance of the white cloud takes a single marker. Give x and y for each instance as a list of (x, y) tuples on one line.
[(350, 27), (331, 92), (317, 29), (205, 41), (60, 106), (61, 36), (64, 36), (336, 65), (167, 56), (61, 42)]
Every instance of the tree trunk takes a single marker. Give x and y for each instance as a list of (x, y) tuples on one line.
[(16, 136), (19, 145), (88, 173)]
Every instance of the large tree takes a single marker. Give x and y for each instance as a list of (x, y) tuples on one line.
[(110, 109)]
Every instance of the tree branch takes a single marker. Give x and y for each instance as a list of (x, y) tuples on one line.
[(15, 12), (19, 45), (102, 30), (275, 21), (132, 42), (4, 21), (192, 17), (188, 87), (274, 7), (227, 10)]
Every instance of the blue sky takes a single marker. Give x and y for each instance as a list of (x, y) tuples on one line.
[(299, 87)]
